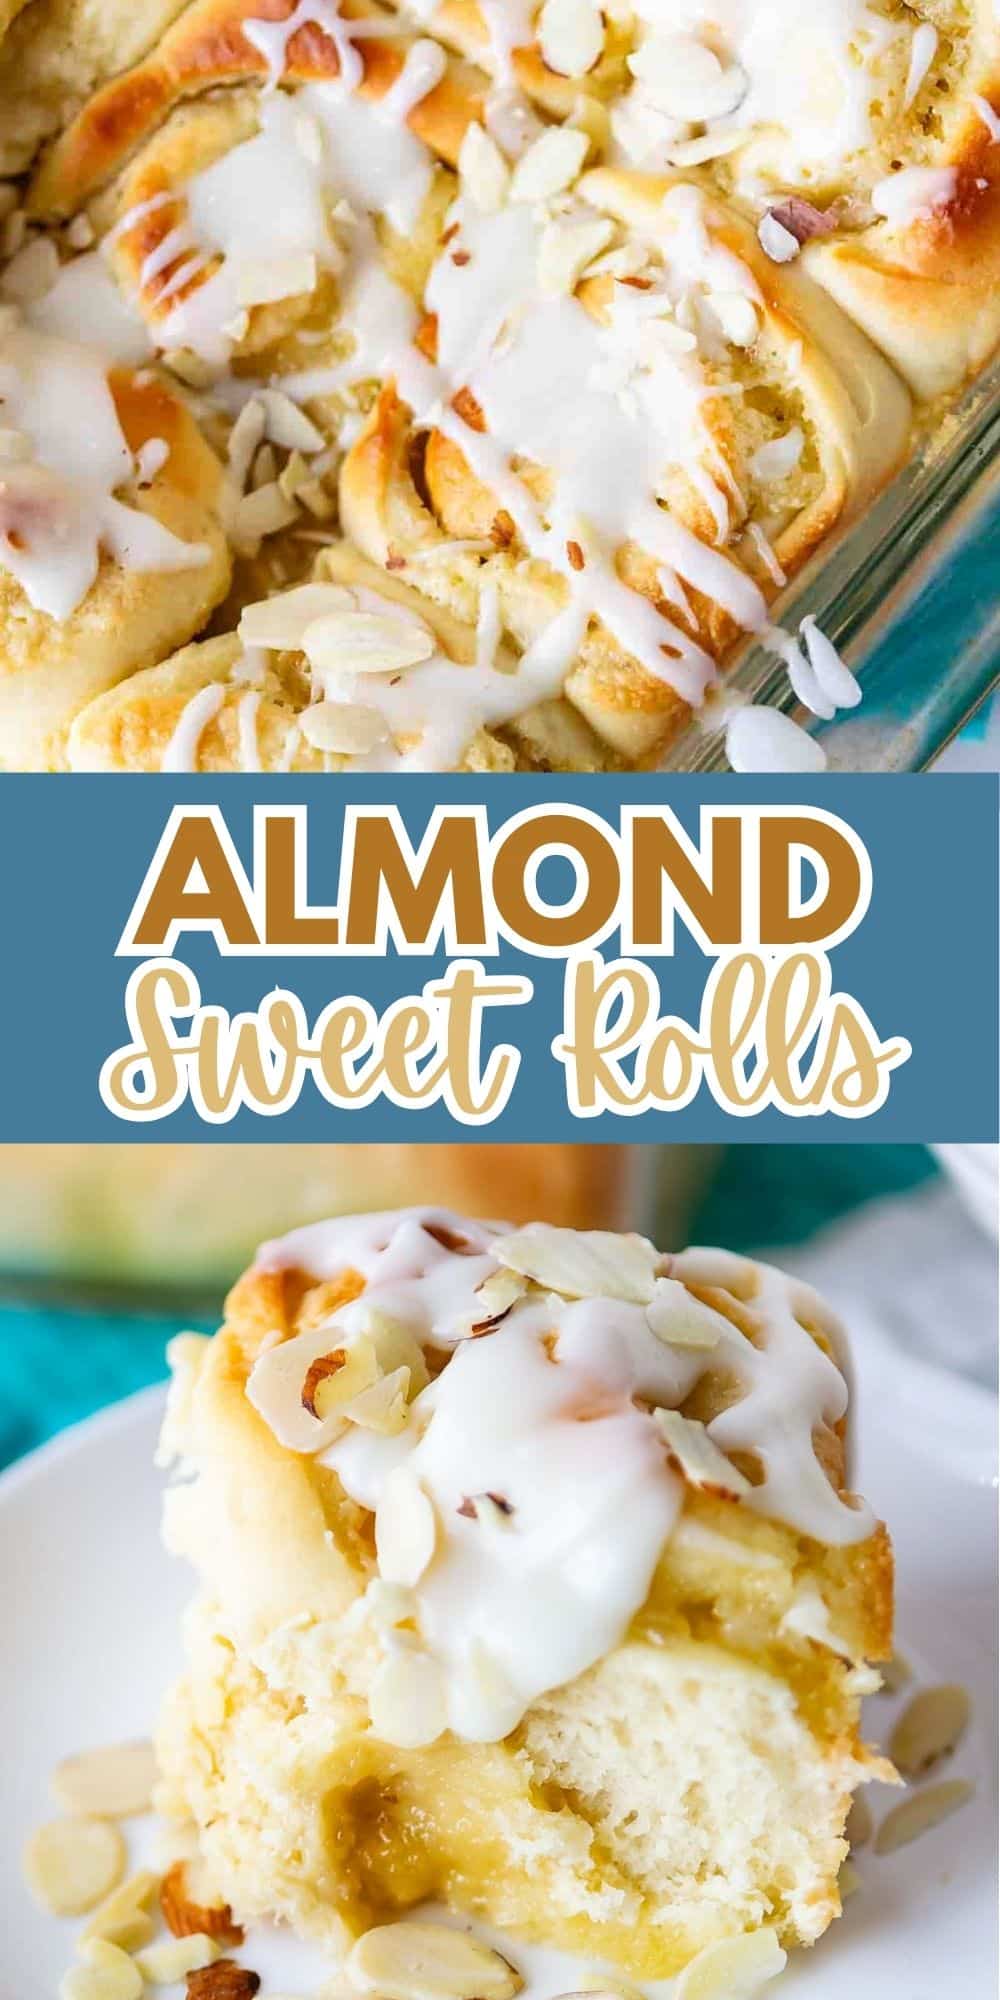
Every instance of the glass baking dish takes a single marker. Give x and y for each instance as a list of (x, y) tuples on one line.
[(910, 596), (169, 1227)]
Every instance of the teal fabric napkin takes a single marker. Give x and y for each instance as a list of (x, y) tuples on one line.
[(58, 1365)]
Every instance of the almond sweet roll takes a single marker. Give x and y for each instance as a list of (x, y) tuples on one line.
[(539, 346), (529, 1582)]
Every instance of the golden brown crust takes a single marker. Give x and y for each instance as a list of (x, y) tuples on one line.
[(49, 669), (207, 49)]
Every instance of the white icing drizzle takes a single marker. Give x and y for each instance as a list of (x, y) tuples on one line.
[(550, 1414), (984, 110), (762, 739), (181, 753), (914, 194), (805, 82), (923, 49), (57, 505), (610, 410), (246, 723)]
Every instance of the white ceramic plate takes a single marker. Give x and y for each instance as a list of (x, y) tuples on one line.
[(90, 1638)]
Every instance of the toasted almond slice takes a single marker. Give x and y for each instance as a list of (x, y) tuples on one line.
[(168, 1964), (699, 1461), (582, 1263), (32, 272), (278, 623), (737, 316), (366, 642), (566, 250), (930, 1727), (408, 1707), (405, 1528), (597, 1988), (345, 728), (848, 1881), (484, 171), (71, 1864), (189, 367), (263, 281), (286, 425), (265, 511), (571, 35), (225, 1980), (491, 1510), (123, 1918), (413, 1961), (917, 1814), (733, 1969), (859, 1823), (275, 1390), (187, 1915), (384, 1406), (552, 163), (106, 1973), (244, 438), (108, 1784), (679, 1319), (896, 1673), (396, 1346), (335, 1378)]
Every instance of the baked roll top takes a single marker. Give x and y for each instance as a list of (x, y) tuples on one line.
[(569, 319), (544, 1523)]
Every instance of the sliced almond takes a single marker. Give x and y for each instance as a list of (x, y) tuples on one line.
[(109, 1784), (186, 1917), (917, 1814), (429, 1962), (335, 1378), (263, 512), (345, 728), (859, 1823), (571, 35), (225, 1980), (733, 1969), (848, 1881), (383, 1407), (279, 623), (244, 438), (697, 1458), (407, 1702), (262, 281), (582, 1263), (366, 642), (494, 1298), (552, 163), (484, 172), (566, 250), (32, 272), (930, 1727), (491, 1510), (275, 1389), (123, 1918), (896, 1674), (71, 1864), (105, 1973), (396, 1346), (405, 1528), (686, 79), (286, 425), (168, 1964), (680, 1320)]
